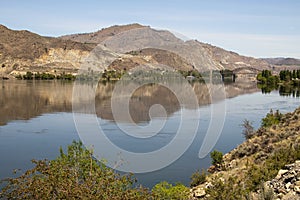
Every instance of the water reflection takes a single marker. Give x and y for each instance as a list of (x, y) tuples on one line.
[(289, 91), (23, 100), (284, 90)]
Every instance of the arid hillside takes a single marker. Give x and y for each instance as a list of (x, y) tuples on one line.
[(265, 165), (132, 45)]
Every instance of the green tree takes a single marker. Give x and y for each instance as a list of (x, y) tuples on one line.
[(217, 157), (28, 76), (260, 78), (271, 118)]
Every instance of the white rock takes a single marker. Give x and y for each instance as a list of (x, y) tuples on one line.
[(297, 189), (280, 173), (288, 185), (199, 192)]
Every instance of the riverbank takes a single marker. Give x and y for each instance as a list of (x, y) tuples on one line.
[(246, 169)]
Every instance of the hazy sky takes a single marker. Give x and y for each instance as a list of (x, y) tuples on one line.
[(259, 28)]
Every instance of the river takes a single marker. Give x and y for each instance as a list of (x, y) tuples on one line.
[(36, 118)]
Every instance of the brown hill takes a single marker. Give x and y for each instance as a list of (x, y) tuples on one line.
[(101, 35), (22, 51), (282, 61), (231, 60), (154, 56), (200, 55), (27, 45)]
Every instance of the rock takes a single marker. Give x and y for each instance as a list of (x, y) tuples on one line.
[(208, 185), (212, 169), (280, 173), (290, 196), (199, 192), (287, 186), (297, 189)]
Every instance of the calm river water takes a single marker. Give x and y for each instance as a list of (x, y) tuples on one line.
[(36, 119)]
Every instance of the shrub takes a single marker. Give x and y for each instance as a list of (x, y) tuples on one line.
[(28, 76), (248, 131), (165, 190), (230, 189), (198, 178), (217, 157), (74, 175), (271, 119), (281, 157)]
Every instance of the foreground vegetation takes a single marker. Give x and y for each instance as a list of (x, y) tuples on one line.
[(77, 175)]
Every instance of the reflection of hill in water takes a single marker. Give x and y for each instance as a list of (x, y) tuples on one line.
[(23, 100), (140, 102)]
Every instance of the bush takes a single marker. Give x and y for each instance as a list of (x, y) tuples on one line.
[(217, 157), (165, 190), (230, 189), (198, 178), (271, 119), (248, 131), (260, 173), (74, 175), (28, 76)]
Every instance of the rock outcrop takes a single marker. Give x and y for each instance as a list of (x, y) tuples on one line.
[(286, 185)]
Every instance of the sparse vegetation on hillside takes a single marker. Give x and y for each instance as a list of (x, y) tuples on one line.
[(258, 159)]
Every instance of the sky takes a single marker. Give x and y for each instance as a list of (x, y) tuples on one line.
[(258, 28)]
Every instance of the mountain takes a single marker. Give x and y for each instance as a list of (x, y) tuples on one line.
[(283, 61), (22, 51), (129, 45), (101, 35), (201, 56), (26, 45)]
